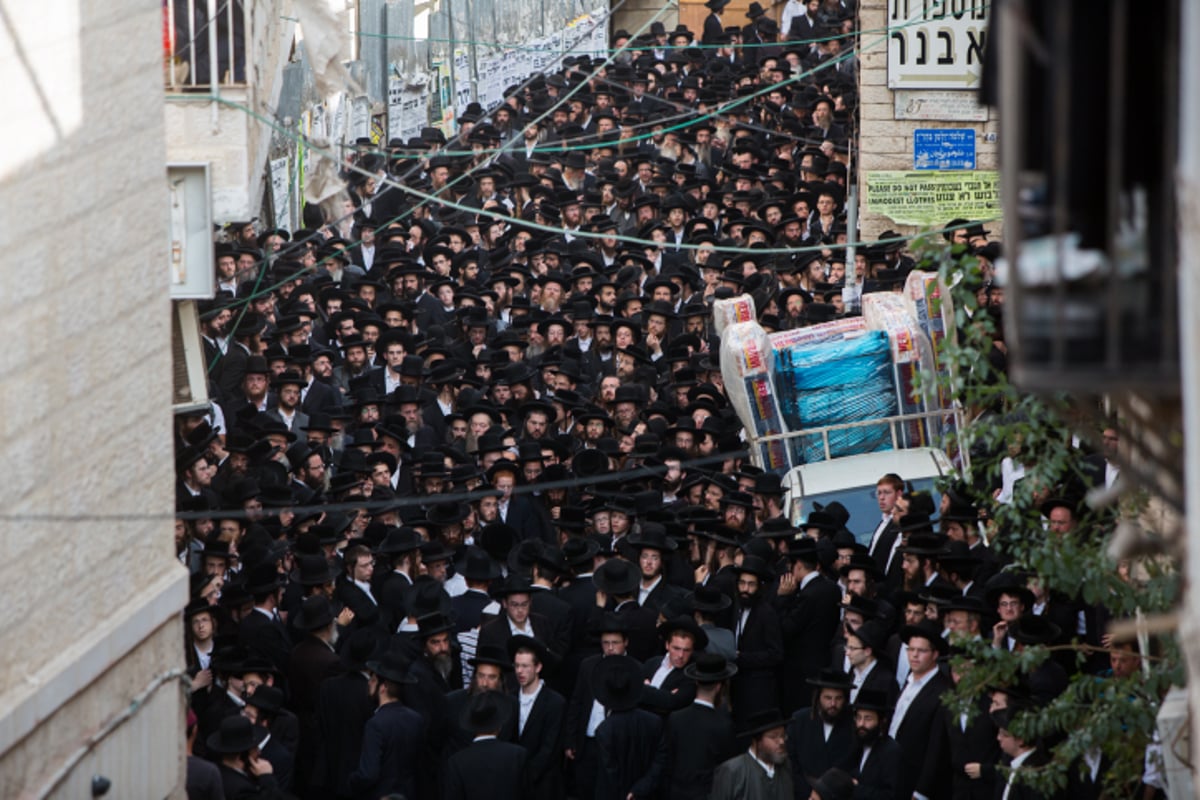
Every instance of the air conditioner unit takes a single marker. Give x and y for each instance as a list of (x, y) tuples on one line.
[(190, 391)]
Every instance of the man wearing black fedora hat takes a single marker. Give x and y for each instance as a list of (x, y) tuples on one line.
[(807, 604), (585, 712), (617, 582), (392, 738), (760, 643), (700, 735), (344, 706), (263, 631), (489, 669), (821, 736), (762, 772), (874, 762), (487, 769), (653, 547), (244, 773), (627, 741)]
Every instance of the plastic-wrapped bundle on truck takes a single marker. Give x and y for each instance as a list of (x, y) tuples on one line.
[(912, 358), (849, 379), (746, 364)]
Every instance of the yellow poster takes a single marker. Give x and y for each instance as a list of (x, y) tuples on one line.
[(933, 198)]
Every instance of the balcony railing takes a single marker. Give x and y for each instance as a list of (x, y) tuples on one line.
[(195, 30)]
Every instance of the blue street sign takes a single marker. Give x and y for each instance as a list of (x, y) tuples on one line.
[(943, 148)]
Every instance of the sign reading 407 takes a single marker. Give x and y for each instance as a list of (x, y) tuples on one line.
[(936, 44)]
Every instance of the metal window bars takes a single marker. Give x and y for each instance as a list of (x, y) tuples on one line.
[(195, 31)]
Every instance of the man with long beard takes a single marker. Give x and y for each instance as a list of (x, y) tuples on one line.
[(820, 737), (759, 644), (875, 760)]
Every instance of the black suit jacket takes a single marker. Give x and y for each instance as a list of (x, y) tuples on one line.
[(468, 609), (312, 661), (697, 739), (458, 737), (631, 760), (391, 599), (366, 613), (579, 706), (391, 747), (876, 777), (487, 770), (677, 690), (344, 706), (922, 740), (809, 754), (321, 399), (526, 520), (713, 29), (267, 637), (558, 614), (809, 619), (976, 745), (542, 740), (760, 654), (497, 632)]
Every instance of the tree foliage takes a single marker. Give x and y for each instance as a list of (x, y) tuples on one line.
[(1097, 713)]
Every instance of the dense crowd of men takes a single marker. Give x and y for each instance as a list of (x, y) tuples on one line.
[(471, 516)]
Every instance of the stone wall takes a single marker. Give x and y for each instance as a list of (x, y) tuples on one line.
[(887, 142), (88, 580)]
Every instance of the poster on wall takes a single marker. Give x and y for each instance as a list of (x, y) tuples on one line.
[(933, 198)]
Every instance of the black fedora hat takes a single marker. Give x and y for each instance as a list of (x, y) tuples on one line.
[(652, 536), (834, 784), (931, 545), (485, 713), (756, 567), (512, 584), (1009, 583), (924, 630), (521, 641), (710, 668), (433, 624), (491, 654), (687, 625), (316, 612), (1033, 630), (873, 700), (477, 565), (762, 721), (617, 577), (399, 541), (866, 564), (708, 600), (872, 634), (617, 682), (237, 734), (832, 678), (263, 579), (392, 666), (776, 528), (313, 570), (579, 551)]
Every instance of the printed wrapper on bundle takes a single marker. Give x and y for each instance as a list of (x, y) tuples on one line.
[(912, 355), (932, 307), (732, 311), (746, 364), (833, 330)]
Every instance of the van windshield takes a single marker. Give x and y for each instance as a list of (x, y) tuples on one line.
[(860, 502)]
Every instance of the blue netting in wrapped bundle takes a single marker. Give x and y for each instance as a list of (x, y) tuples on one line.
[(833, 383)]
